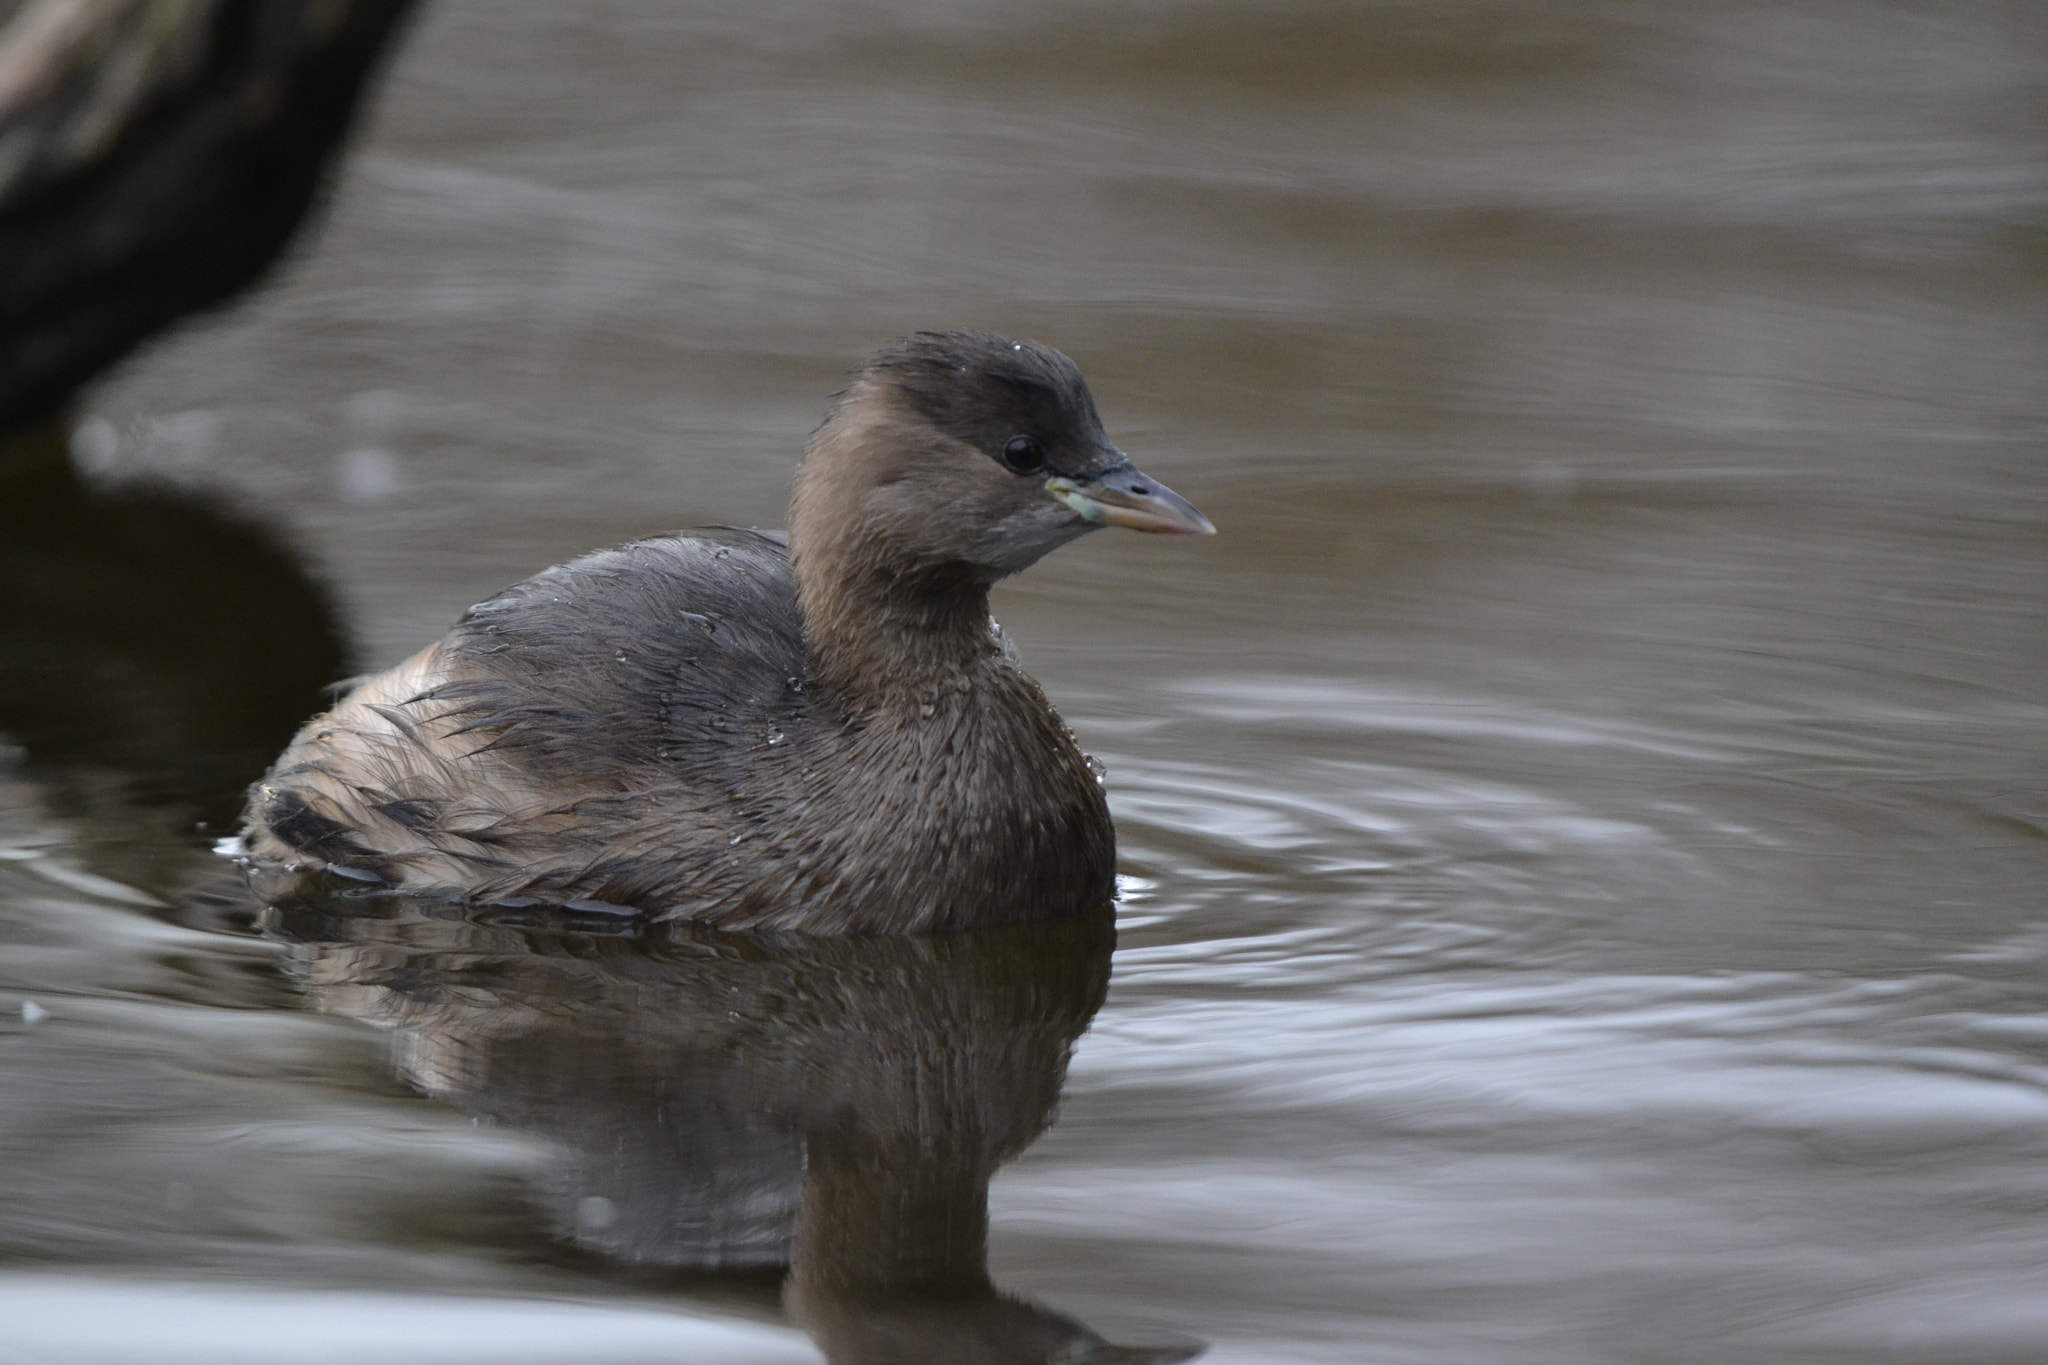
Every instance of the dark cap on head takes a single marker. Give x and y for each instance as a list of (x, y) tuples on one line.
[(987, 390)]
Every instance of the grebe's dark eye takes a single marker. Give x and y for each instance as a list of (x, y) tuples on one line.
[(1023, 456)]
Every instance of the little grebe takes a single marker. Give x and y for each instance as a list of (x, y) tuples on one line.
[(822, 732)]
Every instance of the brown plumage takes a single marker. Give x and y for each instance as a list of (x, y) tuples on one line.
[(824, 733)]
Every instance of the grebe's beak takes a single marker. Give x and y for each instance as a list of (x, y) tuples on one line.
[(1121, 496)]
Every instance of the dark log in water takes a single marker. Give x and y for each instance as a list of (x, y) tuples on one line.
[(155, 158)]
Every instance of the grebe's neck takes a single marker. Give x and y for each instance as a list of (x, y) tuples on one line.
[(883, 617)]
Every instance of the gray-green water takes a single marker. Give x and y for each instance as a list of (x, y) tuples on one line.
[(1585, 818)]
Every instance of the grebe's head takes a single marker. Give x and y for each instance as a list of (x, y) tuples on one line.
[(967, 456)]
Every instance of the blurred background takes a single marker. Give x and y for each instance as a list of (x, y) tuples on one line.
[(1584, 818)]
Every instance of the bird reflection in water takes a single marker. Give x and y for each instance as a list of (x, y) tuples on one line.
[(725, 1101)]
